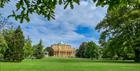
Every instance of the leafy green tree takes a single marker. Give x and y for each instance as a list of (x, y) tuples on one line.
[(112, 4), (117, 52), (120, 28), (88, 50), (91, 50), (3, 46), (49, 50), (38, 50), (8, 33), (28, 49)]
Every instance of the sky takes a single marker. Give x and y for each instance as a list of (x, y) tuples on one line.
[(71, 26)]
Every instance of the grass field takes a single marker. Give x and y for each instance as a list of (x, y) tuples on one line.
[(68, 64)]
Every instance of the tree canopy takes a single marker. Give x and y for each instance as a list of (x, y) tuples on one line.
[(45, 8), (120, 27), (88, 50)]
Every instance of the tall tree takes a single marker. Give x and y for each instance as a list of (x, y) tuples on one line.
[(8, 33), (38, 50), (3, 46), (81, 50), (121, 27), (15, 42), (18, 44), (28, 50)]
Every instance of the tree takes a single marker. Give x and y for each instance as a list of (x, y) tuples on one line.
[(88, 50), (28, 50), (3, 46), (81, 50), (45, 8), (38, 50), (8, 33), (91, 50), (18, 44), (112, 4), (120, 28), (49, 50), (15, 42)]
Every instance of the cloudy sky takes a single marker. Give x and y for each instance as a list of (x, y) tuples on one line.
[(70, 26)]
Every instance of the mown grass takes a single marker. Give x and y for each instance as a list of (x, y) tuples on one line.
[(69, 64)]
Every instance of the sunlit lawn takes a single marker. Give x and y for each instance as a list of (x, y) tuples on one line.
[(68, 64)]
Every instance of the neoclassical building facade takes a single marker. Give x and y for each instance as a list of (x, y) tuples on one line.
[(63, 50)]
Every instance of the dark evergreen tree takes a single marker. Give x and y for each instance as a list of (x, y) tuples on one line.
[(18, 44), (81, 50), (38, 51), (15, 41)]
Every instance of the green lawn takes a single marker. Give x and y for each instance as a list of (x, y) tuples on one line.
[(68, 64)]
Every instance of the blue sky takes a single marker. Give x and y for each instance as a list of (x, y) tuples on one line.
[(70, 26)]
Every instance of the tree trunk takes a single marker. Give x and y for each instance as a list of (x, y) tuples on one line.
[(137, 55)]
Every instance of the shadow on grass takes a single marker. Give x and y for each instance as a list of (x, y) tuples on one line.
[(73, 60), (76, 60)]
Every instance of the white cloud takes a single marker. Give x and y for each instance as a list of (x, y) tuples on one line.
[(64, 26)]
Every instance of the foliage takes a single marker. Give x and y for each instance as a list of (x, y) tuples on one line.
[(2, 2), (49, 50), (91, 50), (4, 23), (15, 42), (113, 4), (38, 50), (88, 50), (8, 37), (120, 28), (45, 8), (81, 50), (28, 50), (18, 44), (3, 46)]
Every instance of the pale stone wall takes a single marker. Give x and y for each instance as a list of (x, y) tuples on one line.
[(63, 50)]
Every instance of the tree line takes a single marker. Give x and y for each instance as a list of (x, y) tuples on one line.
[(14, 47), (91, 50)]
